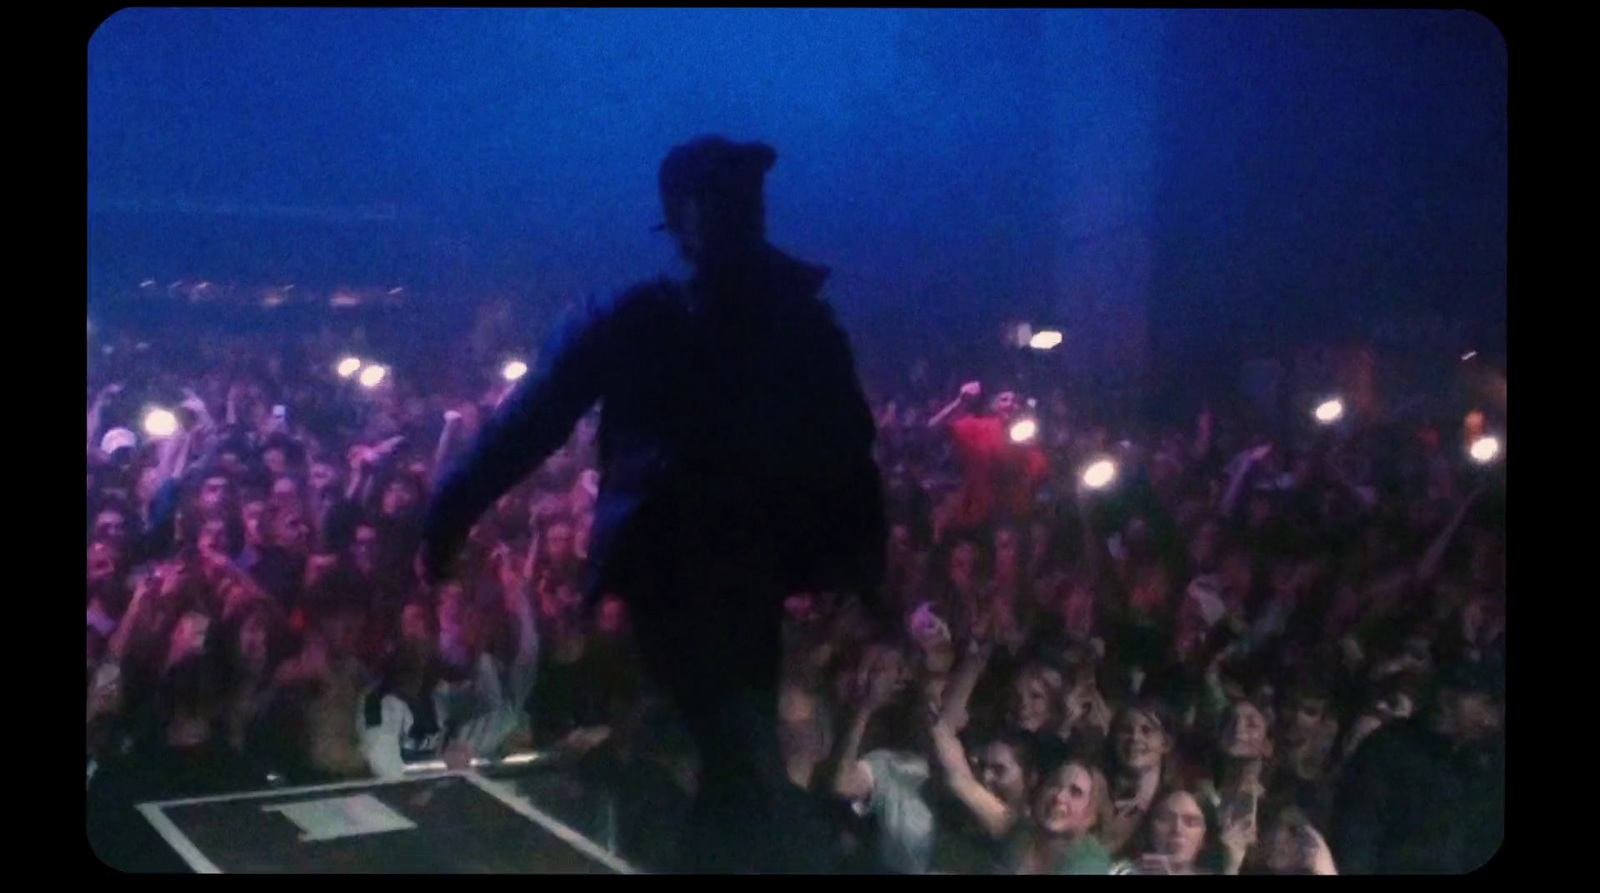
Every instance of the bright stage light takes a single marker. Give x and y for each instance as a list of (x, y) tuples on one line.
[(1024, 430), (1045, 340), (160, 423), (1329, 411), (1099, 474)]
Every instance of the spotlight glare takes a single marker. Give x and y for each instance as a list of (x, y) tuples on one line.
[(373, 375), (514, 370), (1099, 474), (1330, 411), (1024, 430), (1045, 340), (1485, 450), (160, 423), (348, 367)]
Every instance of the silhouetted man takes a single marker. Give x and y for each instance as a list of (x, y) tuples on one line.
[(736, 449), (1427, 795)]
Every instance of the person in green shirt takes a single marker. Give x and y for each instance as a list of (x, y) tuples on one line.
[(1069, 806)]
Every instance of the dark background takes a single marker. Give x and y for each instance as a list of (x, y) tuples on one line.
[(1297, 175)]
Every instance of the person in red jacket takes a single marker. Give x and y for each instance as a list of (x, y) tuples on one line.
[(998, 476)]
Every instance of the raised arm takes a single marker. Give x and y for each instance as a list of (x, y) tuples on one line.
[(1441, 543), (1242, 465), (991, 812), (953, 712), (533, 423), (969, 391), (97, 408), (447, 442)]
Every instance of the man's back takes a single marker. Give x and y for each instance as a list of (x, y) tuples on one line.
[(1410, 803), (736, 417), (737, 466)]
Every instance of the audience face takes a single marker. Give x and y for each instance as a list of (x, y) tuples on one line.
[(255, 515), (111, 526), (102, 562), (1141, 742), (963, 561), (286, 493), (1066, 804), (558, 542), (290, 531), (399, 499), (1178, 829), (275, 461), (364, 549), (1244, 734), (253, 642), (1036, 700), (1006, 552), (998, 770), (213, 539), (214, 493)]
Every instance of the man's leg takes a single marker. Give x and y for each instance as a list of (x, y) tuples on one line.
[(718, 653)]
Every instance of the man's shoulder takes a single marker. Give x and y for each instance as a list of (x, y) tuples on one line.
[(1396, 742), (649, 291), (642, 302)]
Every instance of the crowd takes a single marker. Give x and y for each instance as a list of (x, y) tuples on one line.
[(1230, 652)]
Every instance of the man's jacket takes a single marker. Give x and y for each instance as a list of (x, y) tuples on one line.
[(1410, 803), (733, 422)]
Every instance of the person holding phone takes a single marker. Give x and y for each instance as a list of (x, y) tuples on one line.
[(1184, 834), (736, 452), (1292, 845)]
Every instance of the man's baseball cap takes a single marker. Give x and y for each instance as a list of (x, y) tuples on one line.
[(118, 439), (712, 167)]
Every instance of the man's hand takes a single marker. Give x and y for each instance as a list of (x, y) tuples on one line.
[(972, 390)]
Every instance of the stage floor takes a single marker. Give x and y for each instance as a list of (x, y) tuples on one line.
[(445, 823)]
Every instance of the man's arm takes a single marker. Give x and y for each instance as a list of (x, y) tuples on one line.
[(533, 423)]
